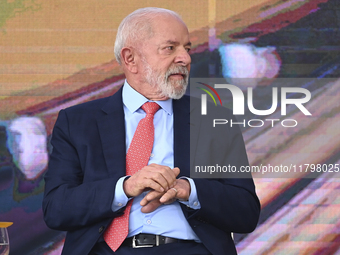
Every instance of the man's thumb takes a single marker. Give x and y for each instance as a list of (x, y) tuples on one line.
[(176, 171)]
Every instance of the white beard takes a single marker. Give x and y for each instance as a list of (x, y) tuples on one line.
[(167, 88)]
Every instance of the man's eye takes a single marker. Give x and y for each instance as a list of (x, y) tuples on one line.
[(188, 49), (170, 47)]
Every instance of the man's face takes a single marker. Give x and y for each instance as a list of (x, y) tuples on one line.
[(165, 58)]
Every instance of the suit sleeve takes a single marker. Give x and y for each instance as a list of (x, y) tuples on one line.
[(70, 201)]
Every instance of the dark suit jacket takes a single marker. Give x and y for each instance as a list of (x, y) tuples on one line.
[(88, 158)]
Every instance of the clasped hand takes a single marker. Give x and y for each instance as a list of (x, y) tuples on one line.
[(162, 183)]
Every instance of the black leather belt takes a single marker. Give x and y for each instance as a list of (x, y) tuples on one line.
[(149, 240)]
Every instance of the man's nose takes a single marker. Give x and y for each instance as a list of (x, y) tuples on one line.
[(183, 57)]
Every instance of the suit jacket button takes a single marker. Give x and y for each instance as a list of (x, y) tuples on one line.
[(101, 229)]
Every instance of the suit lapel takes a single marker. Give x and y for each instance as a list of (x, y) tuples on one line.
[(186, 132), (182, 134), (112, 135)]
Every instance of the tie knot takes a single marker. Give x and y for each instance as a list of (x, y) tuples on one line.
[(150, 107)]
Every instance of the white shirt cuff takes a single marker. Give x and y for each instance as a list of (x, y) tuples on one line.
[(120, 199)]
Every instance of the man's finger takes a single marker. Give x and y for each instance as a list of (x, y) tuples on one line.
[(176, 171), (164, 175), (168, 196), (150, 196), (151, 206), (170, 201)]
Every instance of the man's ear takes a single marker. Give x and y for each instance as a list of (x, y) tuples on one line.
[(128, 58)]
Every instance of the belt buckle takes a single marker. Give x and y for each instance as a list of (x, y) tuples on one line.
[(134, 245)]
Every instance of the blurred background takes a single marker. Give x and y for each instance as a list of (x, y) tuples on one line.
[(54, 54)]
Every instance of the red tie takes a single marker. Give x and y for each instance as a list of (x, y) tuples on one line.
[(137, 157)]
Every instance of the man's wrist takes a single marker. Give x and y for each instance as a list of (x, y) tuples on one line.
[(193, 201), (186, 187), (126, 188)]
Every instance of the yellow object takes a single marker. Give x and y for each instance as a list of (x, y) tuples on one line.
[(5, 224)]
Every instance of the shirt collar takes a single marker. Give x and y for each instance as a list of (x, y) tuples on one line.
[(134, 100)]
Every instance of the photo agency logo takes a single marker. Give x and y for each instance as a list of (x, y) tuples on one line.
[(290, 97)]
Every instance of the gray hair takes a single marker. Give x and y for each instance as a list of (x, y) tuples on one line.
[(136, 25)]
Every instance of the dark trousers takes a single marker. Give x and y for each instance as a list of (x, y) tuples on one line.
[(101, 248)]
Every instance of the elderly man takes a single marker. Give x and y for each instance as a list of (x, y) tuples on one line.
[(119, 174)]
